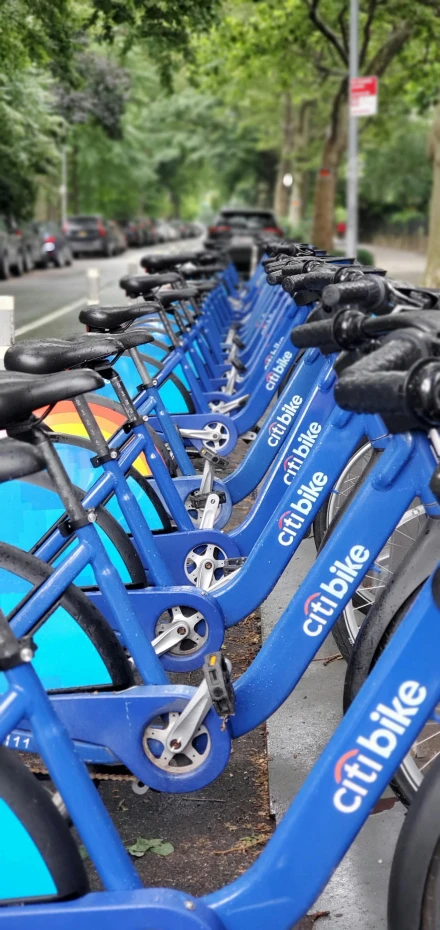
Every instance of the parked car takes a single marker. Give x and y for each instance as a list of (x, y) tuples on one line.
[(43, 243), (11, 256), (134, 233), (93, 234), (238, 229), (161, 230)]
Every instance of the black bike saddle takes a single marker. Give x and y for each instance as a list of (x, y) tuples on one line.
[(110, 319), (141, 284), (21, 394), (159, 262), (45, 356)]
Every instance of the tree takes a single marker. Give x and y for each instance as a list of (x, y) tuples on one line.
[(432, 274)]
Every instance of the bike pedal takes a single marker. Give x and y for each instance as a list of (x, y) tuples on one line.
[(198, 501), (215, 459), (238, 342), (217, 672), (231, 565), (238, 364)]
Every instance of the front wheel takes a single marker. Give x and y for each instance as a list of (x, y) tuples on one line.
[(414, 888), (410, 775), (385, 565)]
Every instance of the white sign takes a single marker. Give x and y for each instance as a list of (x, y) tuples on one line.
[(363, 96)]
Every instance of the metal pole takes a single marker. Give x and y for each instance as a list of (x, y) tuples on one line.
[(93, 279), (7, 338), (63, 188), (352, 155)]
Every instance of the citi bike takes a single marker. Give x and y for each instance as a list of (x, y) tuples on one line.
[(400, 474), (333, 803)]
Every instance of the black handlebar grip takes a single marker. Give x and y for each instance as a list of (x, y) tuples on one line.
[(369, 291), (314, 335), (311, 280), (375, 383)]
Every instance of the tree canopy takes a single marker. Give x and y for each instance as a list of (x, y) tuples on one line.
[(176, 106)]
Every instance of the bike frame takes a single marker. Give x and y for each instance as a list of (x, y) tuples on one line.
[(326, 815)]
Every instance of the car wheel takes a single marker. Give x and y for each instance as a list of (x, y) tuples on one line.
[(18, 265), (68, 259), (5, 270)]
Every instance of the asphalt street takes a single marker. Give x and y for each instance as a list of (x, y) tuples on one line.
[(47, 302)]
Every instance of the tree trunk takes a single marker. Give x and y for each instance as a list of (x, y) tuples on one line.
[(432, 273), (326, 183), (295, 209), (285, 164)]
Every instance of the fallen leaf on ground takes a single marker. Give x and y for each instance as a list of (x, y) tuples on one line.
[(144, 844)]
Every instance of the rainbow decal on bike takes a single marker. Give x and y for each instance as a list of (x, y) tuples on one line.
[(64, 419)]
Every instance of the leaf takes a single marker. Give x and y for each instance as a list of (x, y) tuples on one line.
[(143, 845), (83, 851), (164, 849)]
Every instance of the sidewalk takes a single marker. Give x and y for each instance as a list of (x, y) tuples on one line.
[(409, 266)]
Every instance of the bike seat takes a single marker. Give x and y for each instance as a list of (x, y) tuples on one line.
[(132, 338), (18, 459), (182, 293), (110, 319), (45, 356), (160, 262), (135, 285), (20, 394)]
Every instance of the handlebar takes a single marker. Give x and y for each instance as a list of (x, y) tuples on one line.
[(371, 292), (375, 384), (316, 279), (314, 335)]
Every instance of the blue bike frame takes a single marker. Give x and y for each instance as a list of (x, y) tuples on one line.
[(326, 815)]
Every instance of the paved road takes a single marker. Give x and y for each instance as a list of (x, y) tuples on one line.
[(47, 302), (408, 266)]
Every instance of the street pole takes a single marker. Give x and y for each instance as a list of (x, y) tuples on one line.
[(352, 155), (63, 188)]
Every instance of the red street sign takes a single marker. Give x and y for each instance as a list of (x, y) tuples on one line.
[(363, 96)]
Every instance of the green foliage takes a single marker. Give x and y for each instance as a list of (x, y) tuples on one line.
[(28, 133), (365, 257)]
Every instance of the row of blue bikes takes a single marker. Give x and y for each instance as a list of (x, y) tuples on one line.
[(118, 573)]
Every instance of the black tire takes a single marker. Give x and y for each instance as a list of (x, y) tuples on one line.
[(18, 265), (5, 268), (414, 887), (74, 602), (31, 804)]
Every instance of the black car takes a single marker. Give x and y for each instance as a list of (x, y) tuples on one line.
[(92, 234), (237, 229)]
